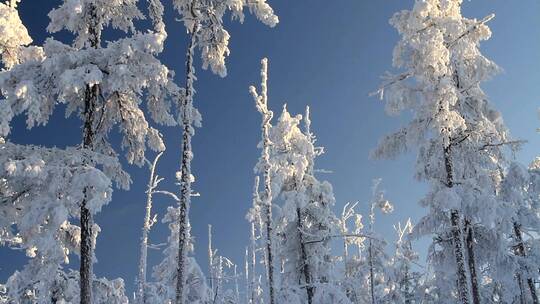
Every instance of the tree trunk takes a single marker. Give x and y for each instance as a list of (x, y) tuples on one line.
[(406, 286), (371, 273), (305, 264), (463, 290), (270, 258), (520, 251), (148, 222), (457, 238), (210, 258), (262, 106), (90, 100), (252, 265), (87, 222), (185, 179), (472, 263)]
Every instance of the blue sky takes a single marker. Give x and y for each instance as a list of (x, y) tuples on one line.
[(326, 54)]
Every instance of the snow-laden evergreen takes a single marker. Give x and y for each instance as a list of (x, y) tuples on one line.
[(13, 35), (41, 192), (104, 85), (299, 237), (306, 223), (460, 139)]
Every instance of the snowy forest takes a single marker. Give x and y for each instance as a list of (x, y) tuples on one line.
[(100, 82)]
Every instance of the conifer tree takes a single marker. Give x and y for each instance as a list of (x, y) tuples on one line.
[(104, 86), (460, 138)]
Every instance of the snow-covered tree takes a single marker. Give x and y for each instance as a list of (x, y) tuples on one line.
[(13, 33), (163, 287), (41, 189), (460, 139), (103, 85), (307, 223), (403, 283), (351, 239), (367, 270)]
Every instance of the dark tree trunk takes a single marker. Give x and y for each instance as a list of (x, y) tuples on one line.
[(90, 102), (472, 263), (185, 182), (457, 237), (371, 273), (305, 263), (520, 251)]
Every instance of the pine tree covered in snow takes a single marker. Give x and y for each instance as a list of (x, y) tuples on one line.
[(104, 86), (306, 223), (461, 141), (403, 282), (366, 271)]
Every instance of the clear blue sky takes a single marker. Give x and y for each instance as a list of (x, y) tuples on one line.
[(326, 54)]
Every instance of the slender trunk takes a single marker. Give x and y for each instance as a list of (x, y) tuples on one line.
[(252, 265), (185, 180), (210, 258), (148, 222), (522, 297), (269, 256), (236, 288), (472, 262), (219, 286), (262, 106), (87, 222), (457, 238), (520, 251), (407, 286), (246, 272), (348, 290), (305, 264), (371, 273)]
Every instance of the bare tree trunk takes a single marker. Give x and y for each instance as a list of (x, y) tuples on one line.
[(236, 287), (185, 179), (305, 264), (407, 286), (252, 265), (371, 273), (472, 263), (262, 106), (269, 256), (210, 258), (520, 250), (457, 238), (147, 225), (87, 222), (246, 276)]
